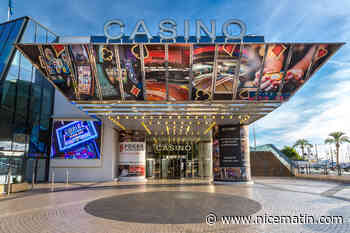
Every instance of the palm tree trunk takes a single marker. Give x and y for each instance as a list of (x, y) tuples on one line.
[(338, 165), (302, 151)]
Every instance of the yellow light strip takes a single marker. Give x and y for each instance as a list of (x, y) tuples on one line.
[(167, 130), (120, 125), (209, 128), (146, 128), (117, 123), (155, 140)]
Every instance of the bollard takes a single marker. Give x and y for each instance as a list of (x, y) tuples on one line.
[(53, 181), (9, 181), (33, 178), (67, 176)]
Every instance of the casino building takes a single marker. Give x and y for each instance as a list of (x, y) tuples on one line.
[(139, 107)]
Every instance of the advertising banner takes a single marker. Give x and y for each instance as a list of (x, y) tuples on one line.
[(230, 146), (76, 140), (132, 159)]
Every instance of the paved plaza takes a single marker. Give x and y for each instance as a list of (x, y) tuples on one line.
[(174, 207)]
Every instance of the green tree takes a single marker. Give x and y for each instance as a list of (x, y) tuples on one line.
[(302, 143), (291, 153), (337, 138)]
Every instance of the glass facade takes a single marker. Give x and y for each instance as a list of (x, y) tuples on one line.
[(26, 100)]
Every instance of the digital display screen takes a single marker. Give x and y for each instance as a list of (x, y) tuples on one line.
[(76, 140)]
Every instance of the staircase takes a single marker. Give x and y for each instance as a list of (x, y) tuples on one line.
[(267, 160)]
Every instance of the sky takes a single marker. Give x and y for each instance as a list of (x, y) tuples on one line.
[(321, 106)]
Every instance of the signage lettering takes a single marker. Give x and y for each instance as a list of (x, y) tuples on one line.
[(168, 29), (171, 147)]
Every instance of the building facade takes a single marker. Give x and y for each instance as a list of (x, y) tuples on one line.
[(139, 107)]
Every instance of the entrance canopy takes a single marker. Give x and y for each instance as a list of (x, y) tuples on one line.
[(227, 82)]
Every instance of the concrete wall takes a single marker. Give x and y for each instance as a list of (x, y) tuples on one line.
[(85, 170), (63, 109)]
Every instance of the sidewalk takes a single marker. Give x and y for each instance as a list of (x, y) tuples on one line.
[(331, 178)]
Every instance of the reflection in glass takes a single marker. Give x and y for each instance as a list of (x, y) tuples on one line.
[(203, 62)]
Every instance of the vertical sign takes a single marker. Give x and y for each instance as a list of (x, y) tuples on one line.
[(230, 146)]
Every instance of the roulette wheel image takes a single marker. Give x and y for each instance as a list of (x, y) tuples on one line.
[(156, 91)]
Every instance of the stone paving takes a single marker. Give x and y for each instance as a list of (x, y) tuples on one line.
[(175, 207)]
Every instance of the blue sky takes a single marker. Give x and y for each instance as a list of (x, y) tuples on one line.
[(319, 108)]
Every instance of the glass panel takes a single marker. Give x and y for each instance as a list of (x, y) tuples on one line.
[(51, 38), (8, 44), (6, 114), (14, 67), (5, 33), (179, 63), (26, 69), (41, 35), (3, 45), (22, 101), (131, 71), (203, 61), (107, 70), (273, 71), (227, 64), (29, 33), (155, 72), (251, 61)]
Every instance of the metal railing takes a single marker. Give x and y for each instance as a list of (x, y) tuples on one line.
[(11, 175)]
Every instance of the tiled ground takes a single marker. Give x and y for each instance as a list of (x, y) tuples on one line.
[(173, 207)]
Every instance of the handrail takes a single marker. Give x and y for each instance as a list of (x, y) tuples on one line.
[(287, 162), (9, 165)]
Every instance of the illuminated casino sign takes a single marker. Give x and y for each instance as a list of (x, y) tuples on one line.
[(171, 147), (168, 29), (74, 134)]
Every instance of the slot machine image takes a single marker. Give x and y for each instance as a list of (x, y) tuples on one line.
[(85, 77), (85, 80)]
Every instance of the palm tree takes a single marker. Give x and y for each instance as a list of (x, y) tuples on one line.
[(302, 143), (337, 138)]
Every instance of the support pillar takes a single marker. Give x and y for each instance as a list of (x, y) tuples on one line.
[(245, 153), (231, 154)]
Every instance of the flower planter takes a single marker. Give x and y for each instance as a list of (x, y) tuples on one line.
[(14, 188)]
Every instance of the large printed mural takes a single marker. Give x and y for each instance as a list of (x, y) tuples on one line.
[(179, 72)]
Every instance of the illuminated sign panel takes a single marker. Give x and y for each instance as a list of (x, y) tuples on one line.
[(76, 140)]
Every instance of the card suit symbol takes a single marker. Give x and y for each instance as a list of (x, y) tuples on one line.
[(202, 95), (136, 51), (107, 55), (278, 50), (321, 53), (58, 48), (229, 49)]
